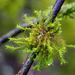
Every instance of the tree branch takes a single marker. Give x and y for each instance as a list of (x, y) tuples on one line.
[(56, 8), (14, 32), (27, 64), (29, 60)]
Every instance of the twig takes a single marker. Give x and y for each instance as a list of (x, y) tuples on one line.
[(29, 62), (56, 8), (14, 32)]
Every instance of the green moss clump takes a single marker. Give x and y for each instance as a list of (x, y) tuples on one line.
[(43, 38)]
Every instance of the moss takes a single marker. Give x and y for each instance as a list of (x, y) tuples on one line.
[(44, 38)]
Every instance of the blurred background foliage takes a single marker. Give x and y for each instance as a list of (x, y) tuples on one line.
[(11, 13)]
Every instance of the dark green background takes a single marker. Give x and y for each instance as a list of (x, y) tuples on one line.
[(11, 14)]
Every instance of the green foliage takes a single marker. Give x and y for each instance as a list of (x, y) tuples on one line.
[(11, 7), (45, 39), (68, 10), (10, 13)]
